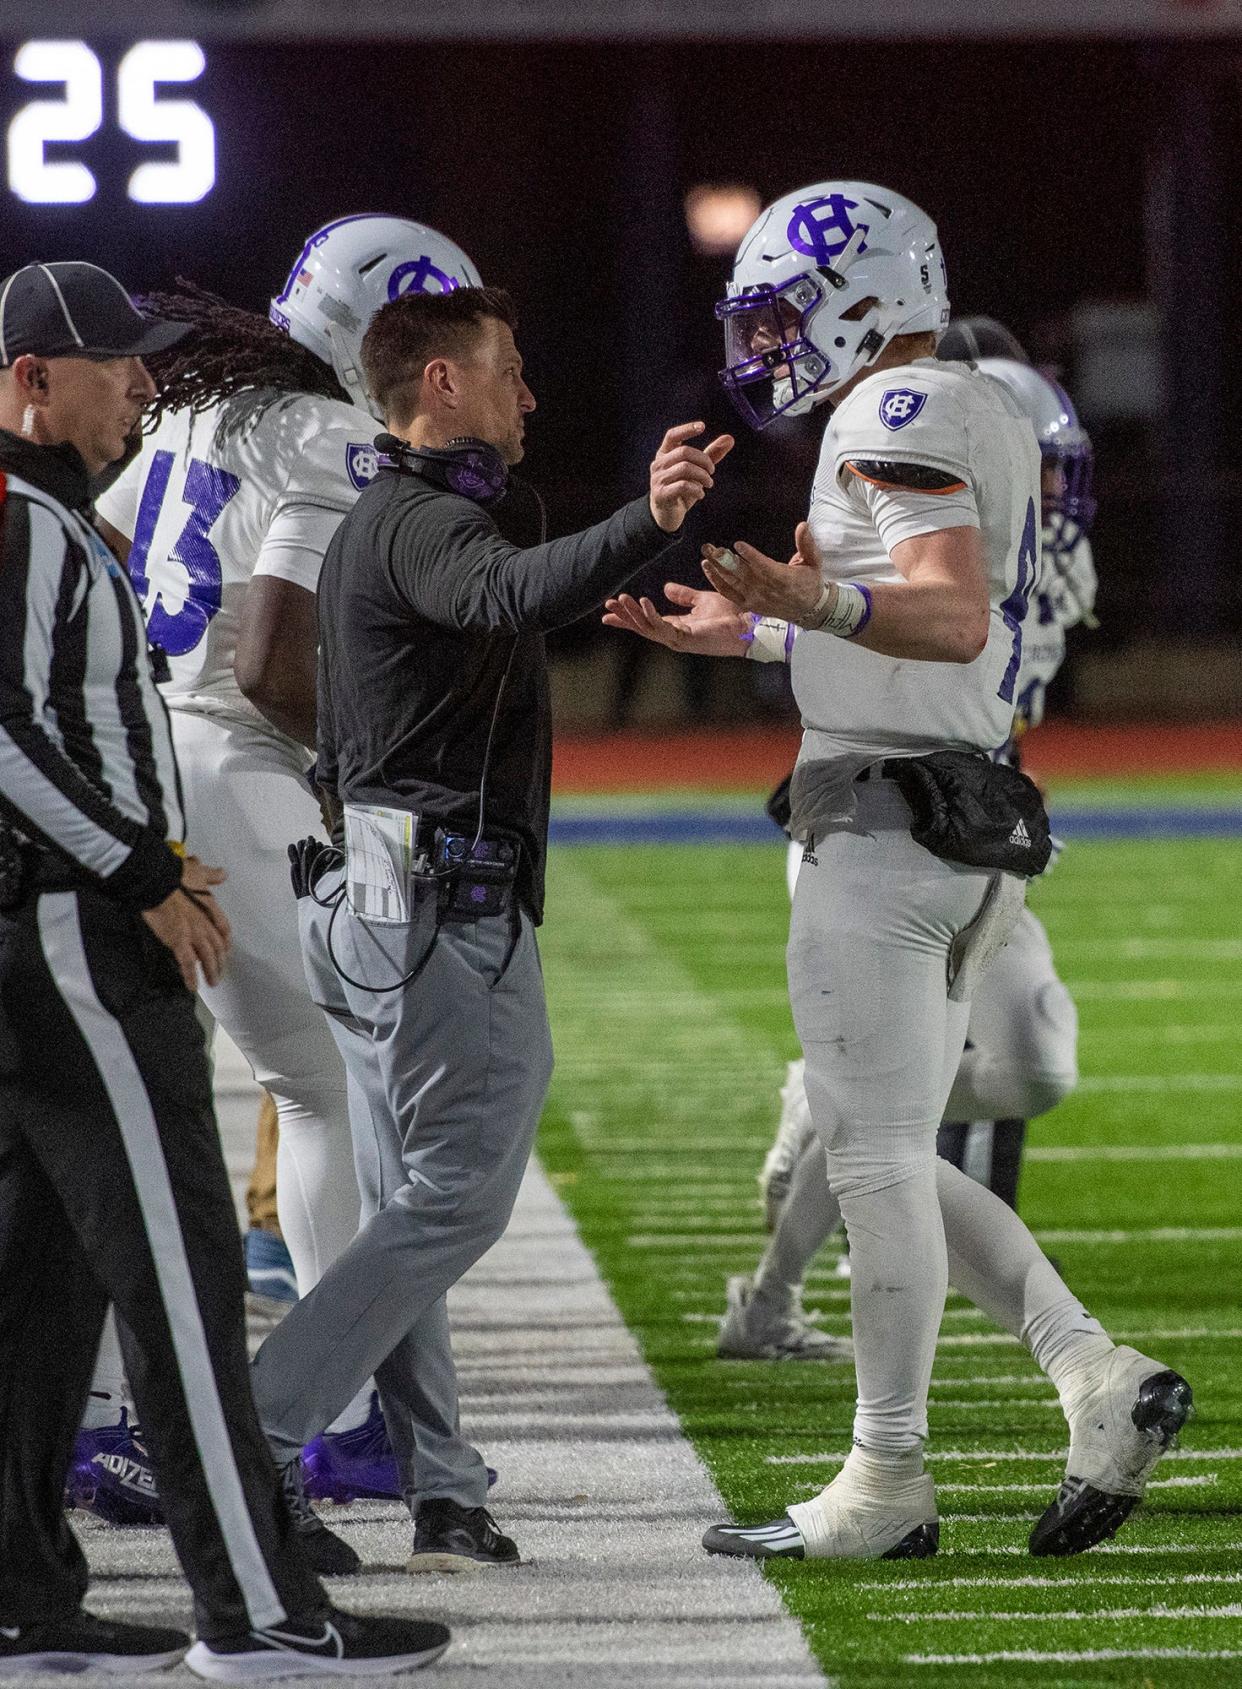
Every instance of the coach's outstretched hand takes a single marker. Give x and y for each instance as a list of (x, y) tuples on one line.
[(711, 626), (192, 924), (682, 474)]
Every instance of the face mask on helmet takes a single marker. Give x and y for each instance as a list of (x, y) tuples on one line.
[(822, 282), (1066, 456), (346, 271)]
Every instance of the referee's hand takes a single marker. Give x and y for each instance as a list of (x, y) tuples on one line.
[(682, 474), (192, 924)]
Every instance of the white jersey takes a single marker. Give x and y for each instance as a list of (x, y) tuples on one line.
[(1057, 606), (208, 509), (856, 704)]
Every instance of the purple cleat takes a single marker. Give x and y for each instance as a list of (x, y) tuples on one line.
[(111, 1476), (347, 1465)]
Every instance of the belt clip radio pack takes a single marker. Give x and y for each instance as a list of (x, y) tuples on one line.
[(476, 875)]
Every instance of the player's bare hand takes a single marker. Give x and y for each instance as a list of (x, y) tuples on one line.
[(711, 626), (191, 924), (755, 582), (682, 474)]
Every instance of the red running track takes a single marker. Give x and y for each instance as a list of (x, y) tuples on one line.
[(749, 758)]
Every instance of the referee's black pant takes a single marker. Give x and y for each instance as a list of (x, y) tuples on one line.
[(113, 1187)]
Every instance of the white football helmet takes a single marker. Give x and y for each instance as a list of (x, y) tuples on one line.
[(803, 267), (346, 271)]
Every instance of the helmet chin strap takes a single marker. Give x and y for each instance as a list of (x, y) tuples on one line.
[(349, 375)]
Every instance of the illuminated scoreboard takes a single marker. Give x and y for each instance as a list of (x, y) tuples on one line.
[(59, 97)]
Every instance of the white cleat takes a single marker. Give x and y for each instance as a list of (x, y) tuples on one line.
[(757, 1329), (843, 1522), (1123, 1417), (793, 1134)]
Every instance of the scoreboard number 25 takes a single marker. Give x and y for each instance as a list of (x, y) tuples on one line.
[(76, 112)]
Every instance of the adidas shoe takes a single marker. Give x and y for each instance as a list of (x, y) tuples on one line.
[(845, 1521), (757, 1329), (269, 1266), (451, 1538), (345, 1465), (328, 1554), (334, 1645), (111, 1475), (793, 1134), (1123, 1416), (81, 1642)]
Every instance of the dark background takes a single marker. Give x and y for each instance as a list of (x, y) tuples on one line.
[(1056, 172)]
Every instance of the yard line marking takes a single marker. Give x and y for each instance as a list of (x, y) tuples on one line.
[(1135, 1152), (1232, 1548), (1049, 1456), (996, 1402), (1119, 1579), (1068, 1657), (1152, 990), (1231, 1610), (1156, 949), (1039, 1489), (705, 1242), (1161, 1082)]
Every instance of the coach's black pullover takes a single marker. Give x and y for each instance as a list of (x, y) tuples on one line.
[(422, 604), (86, 760)]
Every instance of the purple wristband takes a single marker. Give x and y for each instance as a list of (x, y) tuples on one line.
[(866, 592)]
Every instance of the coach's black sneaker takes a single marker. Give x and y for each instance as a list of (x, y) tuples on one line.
[(335, 1644), (451, 1538), (1123, 1415), (328, 1554), (81, 1642)]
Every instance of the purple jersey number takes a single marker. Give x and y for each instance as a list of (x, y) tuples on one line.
[(207, 490), (1015, 606)]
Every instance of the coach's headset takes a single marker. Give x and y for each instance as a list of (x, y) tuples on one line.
[(472, 469)]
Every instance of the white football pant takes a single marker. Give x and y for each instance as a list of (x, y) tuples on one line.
[(874, 917)]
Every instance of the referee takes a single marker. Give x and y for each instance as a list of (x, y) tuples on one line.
[(435, 733), (112, 1181)]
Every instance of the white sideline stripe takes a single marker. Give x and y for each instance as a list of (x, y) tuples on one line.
[(1039, 1489), (1136, 1152), (61, 935), (1068, 1657), (1232, 1610), (1051, 1456), (1120, 1579)]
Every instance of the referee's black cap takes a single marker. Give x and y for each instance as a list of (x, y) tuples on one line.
[(76, 310), (980, 337)]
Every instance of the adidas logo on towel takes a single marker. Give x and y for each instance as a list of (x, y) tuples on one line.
[(1020, 836)]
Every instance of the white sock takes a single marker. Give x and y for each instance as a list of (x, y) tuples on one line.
[(997, 1264), (109, 1389), (809, 1214)]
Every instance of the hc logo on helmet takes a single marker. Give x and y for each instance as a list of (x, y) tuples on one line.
[(822, 228), (420, 275), (899, 406)]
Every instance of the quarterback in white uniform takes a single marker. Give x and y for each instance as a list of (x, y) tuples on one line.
[(1021, 1055), (911, 581), (262, 441)]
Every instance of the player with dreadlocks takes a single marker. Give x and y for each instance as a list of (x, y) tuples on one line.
[(259, 443)]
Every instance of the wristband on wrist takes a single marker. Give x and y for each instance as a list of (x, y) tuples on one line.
[(769, 640), (844, 610)]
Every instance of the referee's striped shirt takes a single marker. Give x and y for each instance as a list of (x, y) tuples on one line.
[(87, 768)]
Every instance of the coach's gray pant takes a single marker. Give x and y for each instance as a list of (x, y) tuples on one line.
[(447, 1077)]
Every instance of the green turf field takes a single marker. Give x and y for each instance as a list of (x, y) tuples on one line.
[(666, 982)]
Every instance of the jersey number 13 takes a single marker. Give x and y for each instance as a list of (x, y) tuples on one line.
[(206, 490)]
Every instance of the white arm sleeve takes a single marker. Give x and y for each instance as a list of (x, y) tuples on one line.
[(295, 543)]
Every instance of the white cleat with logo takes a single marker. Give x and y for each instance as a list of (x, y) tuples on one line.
[(846, 1521), (759, 1328)]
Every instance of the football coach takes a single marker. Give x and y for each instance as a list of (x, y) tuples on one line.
[(112, 1179), (435, 736)]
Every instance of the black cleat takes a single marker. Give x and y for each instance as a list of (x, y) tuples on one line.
[(451, 1538), (1086, 1513), (81, 1642), (328, 1554), (335, 1644)]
